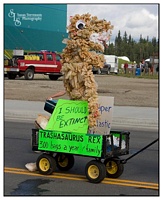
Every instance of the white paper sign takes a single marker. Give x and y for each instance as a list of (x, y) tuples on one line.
[(106, 111)]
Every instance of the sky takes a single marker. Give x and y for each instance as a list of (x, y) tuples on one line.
[(135, 19)]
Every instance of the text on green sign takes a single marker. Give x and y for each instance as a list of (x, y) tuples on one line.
[(82, 144)]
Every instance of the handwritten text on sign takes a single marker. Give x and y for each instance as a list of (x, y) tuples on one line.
[(104, 123), (69, 116), (74, 143)]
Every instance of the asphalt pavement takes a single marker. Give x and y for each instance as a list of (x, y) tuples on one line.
[(124, 117)]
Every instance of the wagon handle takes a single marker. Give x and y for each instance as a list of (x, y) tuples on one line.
[(125, 160)]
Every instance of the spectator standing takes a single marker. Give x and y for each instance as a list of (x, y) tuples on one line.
[(150, 67), (125, 67), (132, 67), (157, 68), (142, 66), (146, 67)]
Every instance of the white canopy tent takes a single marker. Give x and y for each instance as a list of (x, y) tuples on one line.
[(147, 60), (124, 58)]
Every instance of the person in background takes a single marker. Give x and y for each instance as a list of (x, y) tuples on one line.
[(132, 67), (157, 68), (142, 63), (125, 67), (146, 67)]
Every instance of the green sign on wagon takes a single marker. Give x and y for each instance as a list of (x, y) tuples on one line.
[(73, 143), (69, 116)]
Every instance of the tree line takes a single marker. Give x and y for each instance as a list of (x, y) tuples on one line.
[(136, 51)]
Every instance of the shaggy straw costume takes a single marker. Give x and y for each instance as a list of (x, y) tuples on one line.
[(86, 35)]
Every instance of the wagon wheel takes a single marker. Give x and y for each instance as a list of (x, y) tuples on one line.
[(46, 164), (114, 168), (64, 161), (95, 171)]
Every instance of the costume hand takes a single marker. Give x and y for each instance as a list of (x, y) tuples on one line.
[(49, 98)]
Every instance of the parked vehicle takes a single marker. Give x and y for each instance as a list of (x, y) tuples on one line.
[(42, 62), (110, 66), (113, 61), (6, 63), (104, 70)]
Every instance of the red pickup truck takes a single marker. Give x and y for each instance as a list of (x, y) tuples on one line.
[(42, 62)]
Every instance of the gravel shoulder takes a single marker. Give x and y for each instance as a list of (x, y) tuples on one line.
[(126, 91)]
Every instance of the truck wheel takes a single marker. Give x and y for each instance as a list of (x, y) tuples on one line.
[(11, 76), (64, 161), (53, 77), (99, 71), (29, 74), (114, 168), (95, 171), (46, 164), (108, 72)]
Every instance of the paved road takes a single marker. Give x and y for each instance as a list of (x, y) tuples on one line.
[(123, 116), (18, 152), (140, 176)]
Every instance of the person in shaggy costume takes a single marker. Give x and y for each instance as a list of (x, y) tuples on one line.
[(84, 50)]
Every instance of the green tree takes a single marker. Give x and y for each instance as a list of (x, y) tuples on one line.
[(118, 44), (135, 51)]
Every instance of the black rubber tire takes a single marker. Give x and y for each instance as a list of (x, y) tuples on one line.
[(95, 171), (64, 161), (11, 76), (46, 164), (108, 72), (114, 168), (53, 77), (29, 74), (99, 71)]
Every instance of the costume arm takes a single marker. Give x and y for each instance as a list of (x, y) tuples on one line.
[(58, 94)]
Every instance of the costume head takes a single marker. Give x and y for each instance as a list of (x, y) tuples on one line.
[(89, 28)]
